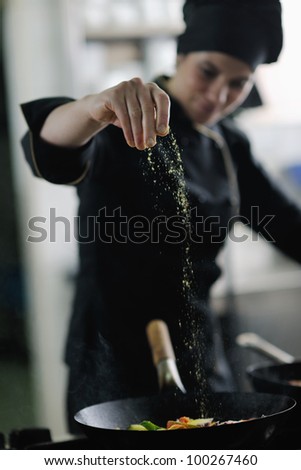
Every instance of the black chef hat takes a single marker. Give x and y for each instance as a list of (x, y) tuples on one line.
[(250, 30)]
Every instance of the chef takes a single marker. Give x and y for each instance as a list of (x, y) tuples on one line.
[(117, 148)]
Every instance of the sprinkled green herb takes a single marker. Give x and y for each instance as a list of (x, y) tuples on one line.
[(164, 166)]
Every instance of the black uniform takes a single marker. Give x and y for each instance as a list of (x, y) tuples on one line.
[(126, 277)]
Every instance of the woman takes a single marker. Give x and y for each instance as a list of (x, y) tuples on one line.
[(133, 269)]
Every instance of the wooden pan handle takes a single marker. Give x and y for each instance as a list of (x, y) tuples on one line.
[(159, 341)]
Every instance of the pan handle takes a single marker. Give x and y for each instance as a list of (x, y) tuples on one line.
[(258, 344), (163, 355)]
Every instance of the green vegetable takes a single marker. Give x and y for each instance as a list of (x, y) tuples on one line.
[(150, 426), (145, 426), (136, 427)]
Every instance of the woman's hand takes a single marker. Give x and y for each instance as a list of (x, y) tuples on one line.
[(140, 109)]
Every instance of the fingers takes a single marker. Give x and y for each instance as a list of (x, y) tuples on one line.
[(162, 106), (142, 111)]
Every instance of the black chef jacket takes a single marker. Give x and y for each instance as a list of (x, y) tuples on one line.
[(127, 278)]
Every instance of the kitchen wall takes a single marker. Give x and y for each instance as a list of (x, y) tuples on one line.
[(73, 47), (37, 64)]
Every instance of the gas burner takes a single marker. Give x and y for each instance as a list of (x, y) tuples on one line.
[(40, 438), (23, 438)]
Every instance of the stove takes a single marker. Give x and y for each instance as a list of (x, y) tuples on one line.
[(41, 439)]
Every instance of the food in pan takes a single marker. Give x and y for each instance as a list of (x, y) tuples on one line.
[(182, 423)]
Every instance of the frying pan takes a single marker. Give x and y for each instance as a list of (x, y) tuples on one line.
[(275, 378), (106, 423)]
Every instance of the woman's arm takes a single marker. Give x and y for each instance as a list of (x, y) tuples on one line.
[(140, 109)]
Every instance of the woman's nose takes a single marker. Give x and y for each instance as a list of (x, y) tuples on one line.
[(217, 93)]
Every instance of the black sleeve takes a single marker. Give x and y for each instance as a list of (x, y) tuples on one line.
[(266, 208), (56, 164)]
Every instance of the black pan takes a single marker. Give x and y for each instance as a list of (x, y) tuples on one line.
[(273, 378), (101, 422), (106, 423)]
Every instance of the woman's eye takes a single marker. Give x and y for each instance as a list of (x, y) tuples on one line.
[(208, 73), (239, 84)]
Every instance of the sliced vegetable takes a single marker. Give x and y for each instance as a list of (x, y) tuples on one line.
[(182, 423), (150, 426), (137, 427)]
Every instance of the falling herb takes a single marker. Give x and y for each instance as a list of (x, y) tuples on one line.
[(164, 167)]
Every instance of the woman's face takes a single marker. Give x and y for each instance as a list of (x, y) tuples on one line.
[(210, 85)]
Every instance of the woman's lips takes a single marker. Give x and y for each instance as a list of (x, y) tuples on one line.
[(207, 108), (205, 112)]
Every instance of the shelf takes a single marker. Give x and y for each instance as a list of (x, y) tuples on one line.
[(131, 33)]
